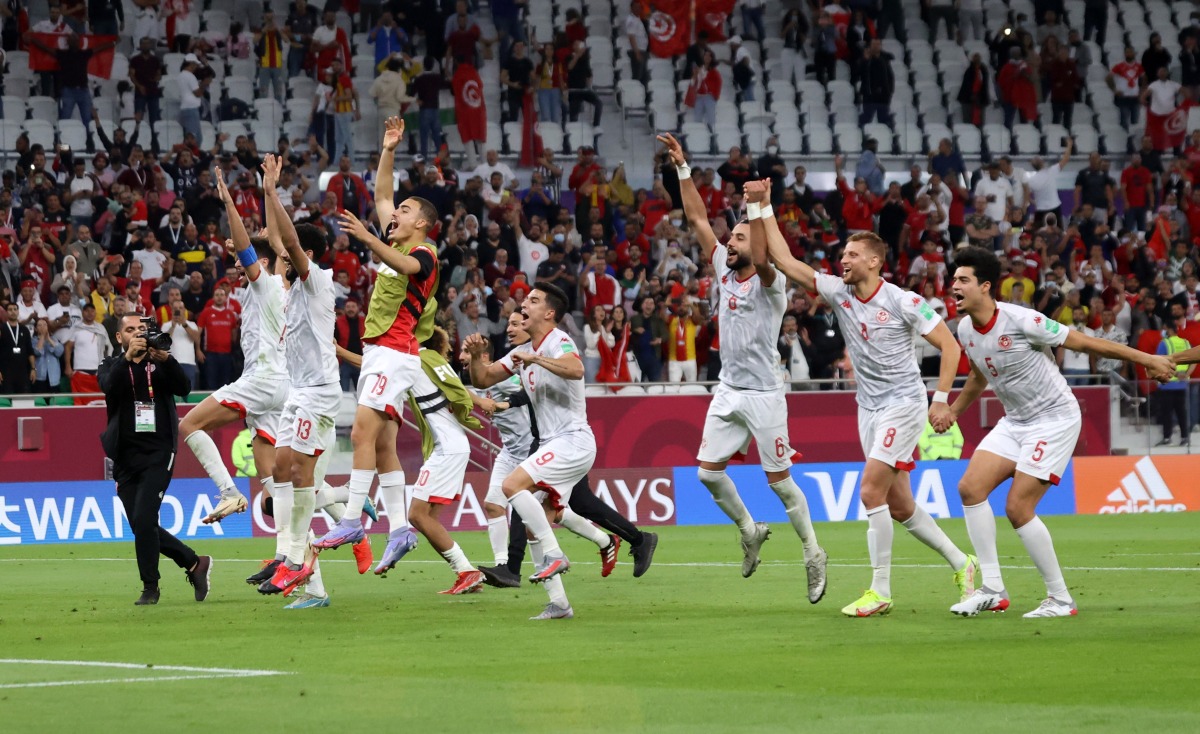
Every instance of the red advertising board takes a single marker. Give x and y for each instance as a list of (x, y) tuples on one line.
[(650, 431)]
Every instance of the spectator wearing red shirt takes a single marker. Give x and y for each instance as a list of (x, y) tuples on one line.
[(600, 288), (219, 324), (1126, 82), (657, 206), (711, 195), (348, 331), (1017, 92), (349, 190), (345, 259), (575, 29), (1137, 193), (858, 202), (462, 42), (246, 197), (499, 268)]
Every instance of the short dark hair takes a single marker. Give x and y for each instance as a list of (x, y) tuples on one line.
[(312, 239), (983, 262), (428, 211), (262, 247), (555, 298)]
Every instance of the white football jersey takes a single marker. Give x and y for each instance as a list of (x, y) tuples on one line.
[(311, 357), (1011, 351), (749, 316), (263, 321), (558, 403), (516, 433), (879, 336)]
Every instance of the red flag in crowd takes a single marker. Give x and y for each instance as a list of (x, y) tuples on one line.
[(670, 27), (1168, 131), (711, 16), (531, 142), (469, 106), (99, 65)]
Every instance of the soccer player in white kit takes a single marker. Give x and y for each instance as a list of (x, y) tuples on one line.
[(259, 394), (878, 322), (1033, 443), (312, 405), (553, 376), (750, 399)]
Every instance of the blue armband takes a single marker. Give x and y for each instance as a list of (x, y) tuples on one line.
[(247, 257)]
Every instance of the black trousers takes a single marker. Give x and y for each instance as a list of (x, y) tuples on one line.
[(1172, 408), (141, 483), (586, 505)]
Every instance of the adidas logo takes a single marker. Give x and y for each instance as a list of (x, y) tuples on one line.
[(1142, 490)]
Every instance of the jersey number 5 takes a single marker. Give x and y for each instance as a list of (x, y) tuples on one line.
[(1038, 451), (991, 367)]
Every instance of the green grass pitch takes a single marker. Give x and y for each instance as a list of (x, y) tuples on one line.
[(690, 647)]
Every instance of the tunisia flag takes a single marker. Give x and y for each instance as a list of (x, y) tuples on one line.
[(670, 27), (711, 16), (531, 142), (99, 65), (1168, 131), (469, 107)]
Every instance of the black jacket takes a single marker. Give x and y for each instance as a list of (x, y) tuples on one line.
[(877, 80), (966, 95), (168, 380)]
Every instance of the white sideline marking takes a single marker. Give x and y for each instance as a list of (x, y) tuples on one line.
[(197, 673), (695, 564)]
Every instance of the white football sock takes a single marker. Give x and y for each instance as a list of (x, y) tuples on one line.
[(302, 512), (558, 594), (322, 465), (209, 456), (535, 554), (726, 496), (925, 529), (282, 507), (879, 546), (1036, 537), (981, 529), (531, 512), (315, 584), (391, 490), (583, 528), (457, 559), (498, 537), (327, 500), (796, 506), (360, 487)]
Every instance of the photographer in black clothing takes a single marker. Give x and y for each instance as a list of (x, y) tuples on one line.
[(139, 386)]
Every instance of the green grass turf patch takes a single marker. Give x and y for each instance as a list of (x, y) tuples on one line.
[(690, 647)]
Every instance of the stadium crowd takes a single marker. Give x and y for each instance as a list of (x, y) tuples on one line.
[(136, 226)]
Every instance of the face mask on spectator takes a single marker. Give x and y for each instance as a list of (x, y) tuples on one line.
[(677, 223), (773, 149), (559, 238), (819, 254)]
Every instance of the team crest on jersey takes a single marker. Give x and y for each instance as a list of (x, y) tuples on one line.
[(883, 317), (745, 287), (1005, 342)]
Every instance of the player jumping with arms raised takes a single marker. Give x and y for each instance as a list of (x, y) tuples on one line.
[(750, 400), (878, 322), (1033, 443)]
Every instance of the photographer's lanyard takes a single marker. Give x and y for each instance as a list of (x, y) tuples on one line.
[(143, 412)]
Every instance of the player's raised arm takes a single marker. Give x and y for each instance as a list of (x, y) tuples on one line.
[(393, 258), (237, 230), (1158, 366), (568, 366), (940, 413), (777, 248), (976, 384), (483, 374), (385, 205), (756, 194), (693, 205), (283, 224)]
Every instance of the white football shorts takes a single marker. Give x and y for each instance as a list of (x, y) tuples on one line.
[(736, 415), (558, 464), (504, 465), (1042, 450), (308, 419), (259, 399), (385, 379), (891, 434)]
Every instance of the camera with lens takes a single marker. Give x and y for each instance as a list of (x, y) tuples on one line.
[(155, 338)]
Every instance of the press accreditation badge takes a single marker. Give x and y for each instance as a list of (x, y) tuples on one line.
[(143, 417)]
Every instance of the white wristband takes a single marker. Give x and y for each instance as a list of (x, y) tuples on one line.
[(767, 211), (684, 171), (941, 396), (753, 211)]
